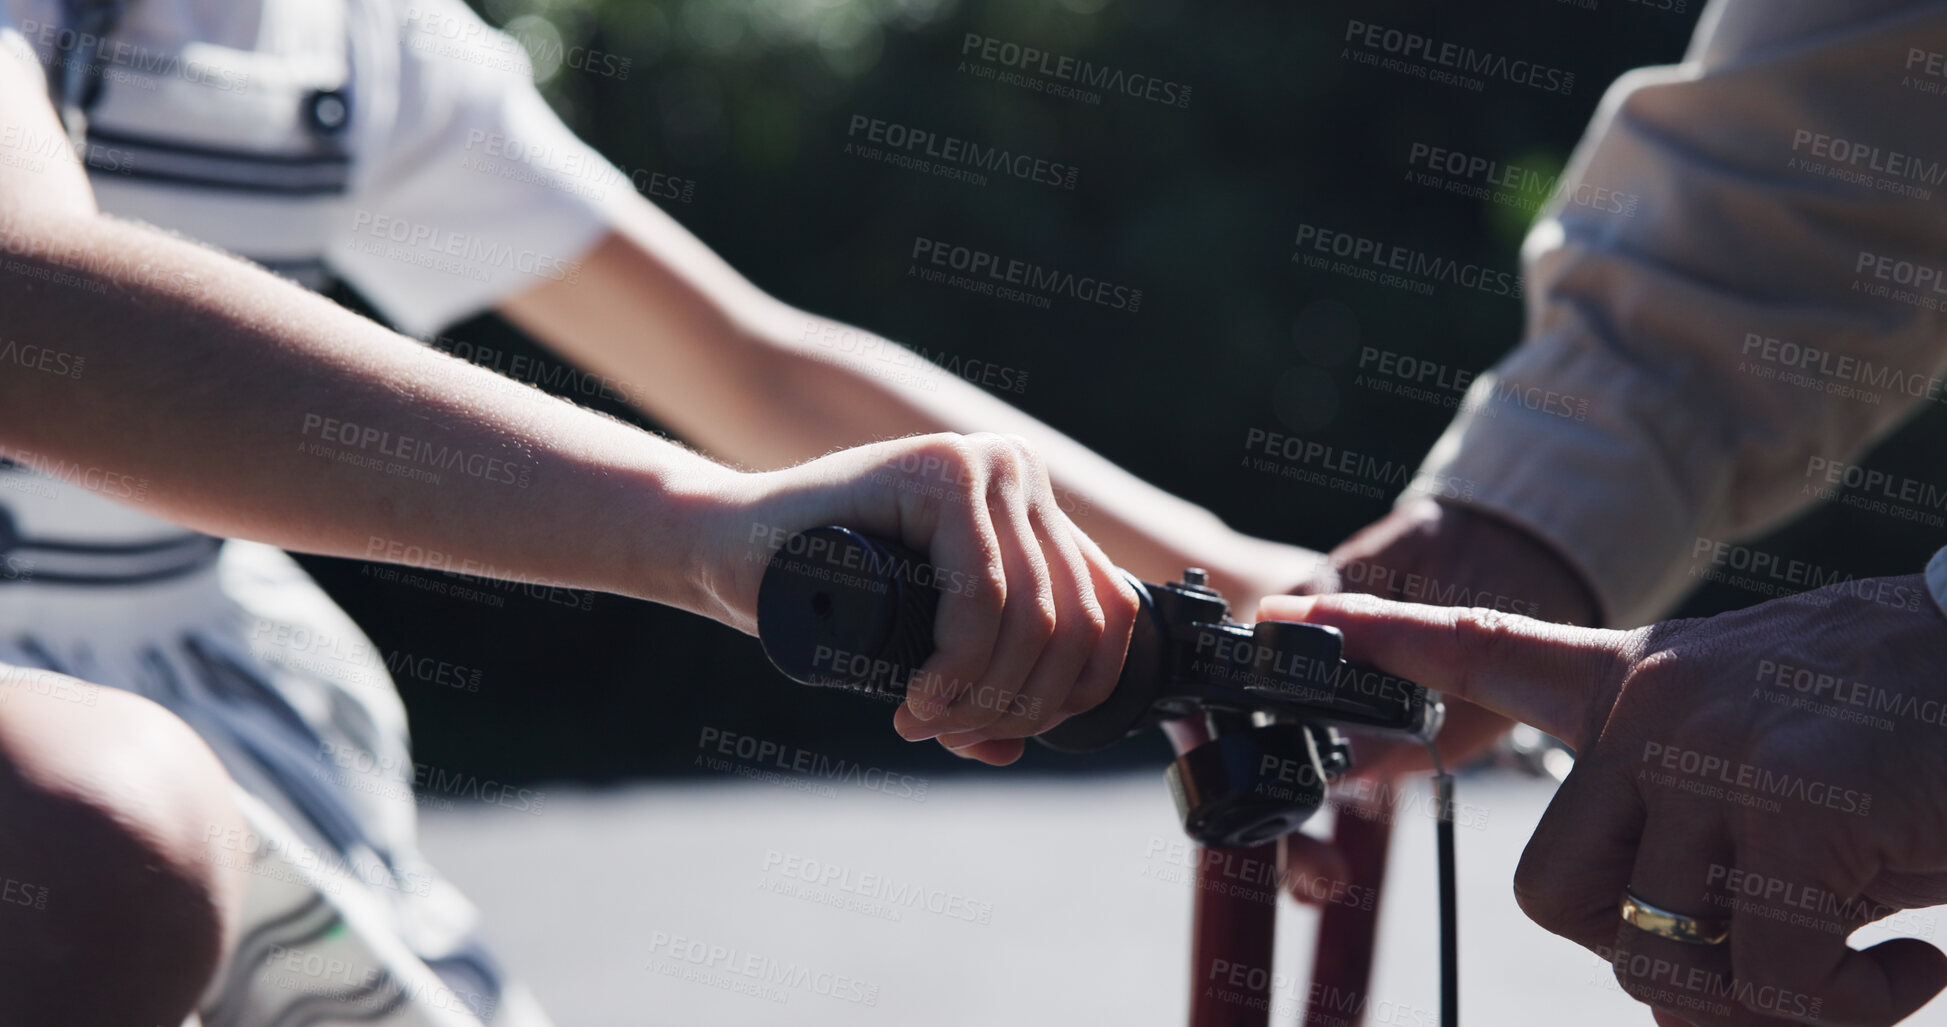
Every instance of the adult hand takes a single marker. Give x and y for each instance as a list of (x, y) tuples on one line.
[(1780, 770), (1034, 620), (1443, 554)]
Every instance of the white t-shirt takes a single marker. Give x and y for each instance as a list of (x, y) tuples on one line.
[(448, 185)]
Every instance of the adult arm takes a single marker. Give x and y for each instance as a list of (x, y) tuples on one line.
[(1715, 321)]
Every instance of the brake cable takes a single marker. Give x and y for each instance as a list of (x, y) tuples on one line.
[(1449, 896)]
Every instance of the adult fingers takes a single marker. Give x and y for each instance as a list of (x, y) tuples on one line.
[(1804, 971), (1582, 854), (1549, 675), (1467, 732), (1305, 861), (996, 751), (1682, 840)]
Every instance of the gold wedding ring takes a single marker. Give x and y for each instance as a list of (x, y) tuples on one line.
[(1689, 930)]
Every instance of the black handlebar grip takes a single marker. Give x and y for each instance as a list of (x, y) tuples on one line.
[(840, 609)]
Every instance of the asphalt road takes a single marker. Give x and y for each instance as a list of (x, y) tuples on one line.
[(1002, 901)]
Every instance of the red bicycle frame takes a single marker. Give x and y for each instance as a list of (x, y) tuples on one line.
[(1233, 932)]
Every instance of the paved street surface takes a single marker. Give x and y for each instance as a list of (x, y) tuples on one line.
[(1011, 901)]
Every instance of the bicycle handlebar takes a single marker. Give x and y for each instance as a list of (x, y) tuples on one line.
[(839, 608)]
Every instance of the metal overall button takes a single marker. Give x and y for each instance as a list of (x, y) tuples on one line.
[(327, 112)]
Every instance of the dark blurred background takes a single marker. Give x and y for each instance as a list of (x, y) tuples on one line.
[(1198, 206)]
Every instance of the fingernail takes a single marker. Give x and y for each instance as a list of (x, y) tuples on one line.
[(916, 732), (1287, 607), (925, 709)]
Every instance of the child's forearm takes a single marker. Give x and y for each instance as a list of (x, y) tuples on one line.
[(228, 400), (757, 382)]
